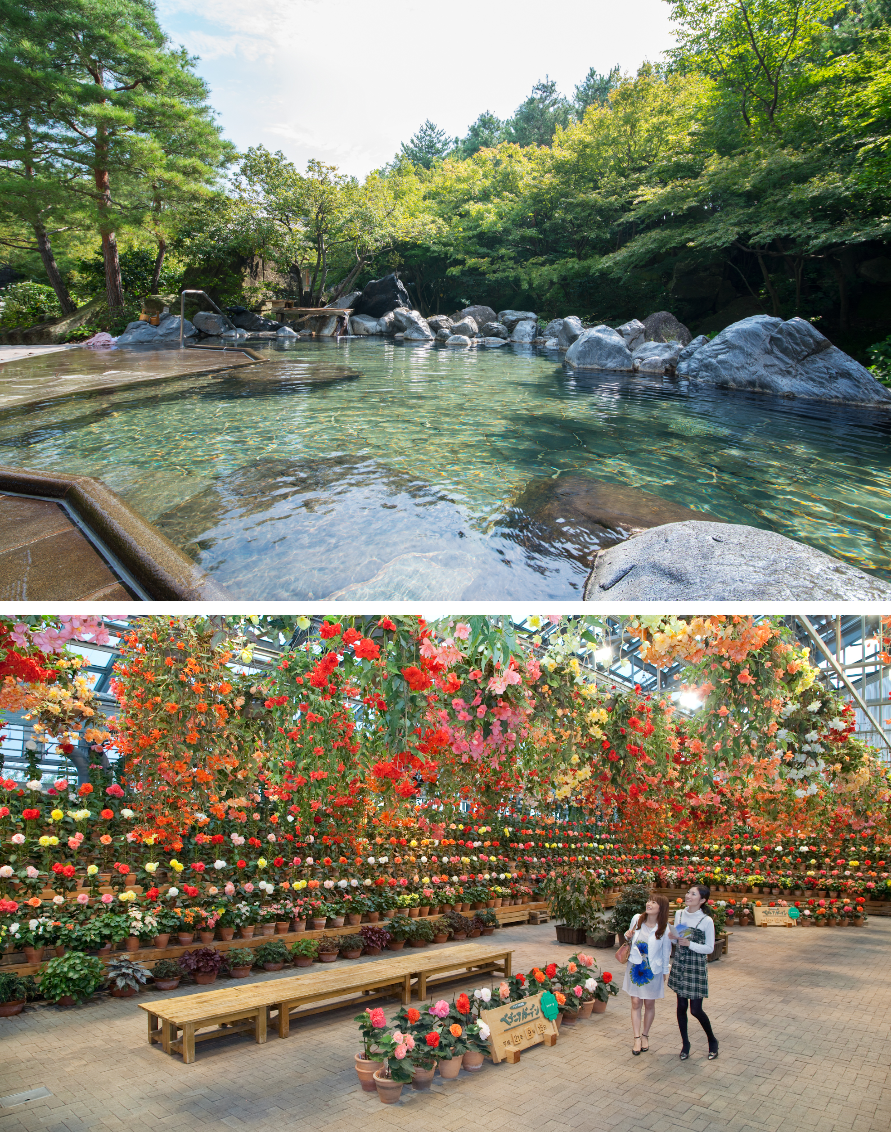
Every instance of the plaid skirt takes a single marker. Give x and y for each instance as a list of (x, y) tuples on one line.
[(689, 974)]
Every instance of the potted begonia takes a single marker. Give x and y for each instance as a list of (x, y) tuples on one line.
[(124, 977), (606, 988), (374, 939), (203, 964), (329, 948), (372, 1026), (272, 954), (351, 946), (400, 929), (393, 1049), (304, 951)]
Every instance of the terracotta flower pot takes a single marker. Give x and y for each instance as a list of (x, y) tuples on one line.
[(35, 954), (599, 1007), (473, 1061), (414, 913), (441, 937), (267, 929), (281, 926), (7, 1009), (166, 984), (239, 972), (205, 978), (328, 956), (60, 950), (318, 923), (372, 951), (353, 953), (388, 1090), (496, 903), (559, 1021), (206, 937), (122, 992), (450, 1068), (161, 940), (273, 966), (366, 1070), (246, 931), (226, 933), (396, 944), (422, 1078), (475, 933), (65, 1000), (104, 949), (373, 917), (459, 935), (354, 918), (298, 925), (424, 910), (131, 943), (488, 931), (303, 961), (335, 921), (585, 1009), (185, 938), (570, 1019)]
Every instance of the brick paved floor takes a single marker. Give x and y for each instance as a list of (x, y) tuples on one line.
[(803, 1017)]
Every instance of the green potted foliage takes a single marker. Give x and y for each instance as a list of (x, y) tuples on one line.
[(442, 929), (329, 948), (304, 951), (351, 946), (489, 921), (272, 954), (240, 960), (632, 901), (71, 978), (396, 1070), (15, 991), (124, 977), (400, 929), (573, 897), (421, 933), (167, 974)]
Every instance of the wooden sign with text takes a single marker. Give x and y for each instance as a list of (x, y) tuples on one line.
[(773, 918), (517, 1026)]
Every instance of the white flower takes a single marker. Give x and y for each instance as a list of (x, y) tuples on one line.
[(35, 783), (343, 884), (354, 883), (423, 860), (484, 1031), (367, 881), (309, 861), (290, 817), (590, 984), (33, 924), (485, 994), (14, 929), (371, 860), (815, 706), (58, 900), (270, 837), (173, 892), (200, 817), (7, 871), (218, 864), (128, 814), (18, 839), (382, 860), (151, 866), (328, 883)]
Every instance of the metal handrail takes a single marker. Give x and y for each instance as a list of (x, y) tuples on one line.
[(182, 312)]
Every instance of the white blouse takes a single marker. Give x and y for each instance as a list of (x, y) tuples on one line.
[(683, 918), (658, 950)]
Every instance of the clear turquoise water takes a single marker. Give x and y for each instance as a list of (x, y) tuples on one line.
[(371, 470)]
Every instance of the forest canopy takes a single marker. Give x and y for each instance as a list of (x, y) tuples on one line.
[(746, 171)]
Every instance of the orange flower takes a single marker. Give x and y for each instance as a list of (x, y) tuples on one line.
[(105, 839), (572, 967), (561, 998), (413, 1015), (35, 901), (455, 1030), (539, 976), (171, 708), (225, 688)]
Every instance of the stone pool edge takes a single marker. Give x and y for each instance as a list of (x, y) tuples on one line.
[(164, 571)]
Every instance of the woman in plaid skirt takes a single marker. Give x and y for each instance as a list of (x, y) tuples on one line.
[(694, 933)]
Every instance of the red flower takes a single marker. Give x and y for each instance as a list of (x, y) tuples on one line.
[(106, 813), (551, 970), (463, 1004), (386, 623), (327, 629), (366, 650), (433, 1039), (278, 862), (413, 1015), (607, 977), (241, 864), (113, 791), (521, 979), (416, 679), (351, 636), (30, 815), (153, 893)]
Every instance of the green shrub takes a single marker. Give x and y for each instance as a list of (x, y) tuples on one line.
[(632, 900), (15, 988), (305, 947), (122, 974), (351, 942), (167, 969), (26, 304), (240, 957), (73, 974), (329, 943), (880, 356), (273, 951)]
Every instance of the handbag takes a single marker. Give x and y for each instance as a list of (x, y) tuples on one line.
[(625, 950)]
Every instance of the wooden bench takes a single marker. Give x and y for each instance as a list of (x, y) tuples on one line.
[(239, 1008)]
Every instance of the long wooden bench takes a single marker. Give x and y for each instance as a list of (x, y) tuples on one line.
[(240, 1008)]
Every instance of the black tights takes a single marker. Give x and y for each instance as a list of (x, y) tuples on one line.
[(699, 1014)]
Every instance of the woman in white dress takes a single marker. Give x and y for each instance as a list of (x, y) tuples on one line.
[(647, 969)]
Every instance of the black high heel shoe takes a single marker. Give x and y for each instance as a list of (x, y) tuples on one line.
[(636, 1052), (645, 1038), (713, 1052), (685, 1053)]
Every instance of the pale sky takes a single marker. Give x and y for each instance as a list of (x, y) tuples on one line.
[(346, 81)]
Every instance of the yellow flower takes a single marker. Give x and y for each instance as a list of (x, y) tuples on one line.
[(261, 862), (56, 815), (44, 841), (177, 865), (92, 870), (151, 866)]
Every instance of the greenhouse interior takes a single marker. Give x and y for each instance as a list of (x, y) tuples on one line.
[(262, 828)]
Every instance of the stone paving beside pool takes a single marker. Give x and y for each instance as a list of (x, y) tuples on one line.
[(803, 1017)]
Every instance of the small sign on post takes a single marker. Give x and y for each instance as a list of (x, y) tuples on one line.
[(773, 918), (517, 1026)]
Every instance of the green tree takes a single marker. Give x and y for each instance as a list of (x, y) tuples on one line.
[(428, 145), (123, 107), (535, 120), (594, 90), (485, 133)]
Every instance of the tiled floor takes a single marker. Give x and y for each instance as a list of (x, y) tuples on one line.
[(803, 1017), (44, 557)]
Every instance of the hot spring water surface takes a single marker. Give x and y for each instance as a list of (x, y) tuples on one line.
[(370, 470)]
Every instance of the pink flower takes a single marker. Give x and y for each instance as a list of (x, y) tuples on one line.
[(577, 991), (229, 888), (83, 897), (106, 898), (249, 887), (440, 1009), (400, 1052), (377, 1018), (462, 630), (114, 791), (18, 839)]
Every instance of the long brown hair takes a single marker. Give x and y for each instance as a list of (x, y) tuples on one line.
[(661, 918)]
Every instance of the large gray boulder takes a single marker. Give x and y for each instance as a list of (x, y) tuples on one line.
[(634, 333), (664, 327), (387, 323), (443, 334), (143, 333), (511, 318), (439, 322), (600, 347), (248, 320), (789, 359), (703, 561), (415, 328), (494, 330), (524, 331), (656, 357), (570, 329), (553, 328), (345, 302), (490, 343), (466, 326), (457, 340), (364, 324), (382, 295), (479, 314), (209, 323), (689, 350), (286, 332)]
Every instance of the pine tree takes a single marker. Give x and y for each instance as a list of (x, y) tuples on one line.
[(485, 133), (429, 144), (594, 90), (536, 120)]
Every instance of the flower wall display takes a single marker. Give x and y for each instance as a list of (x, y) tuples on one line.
[(384, 765)]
